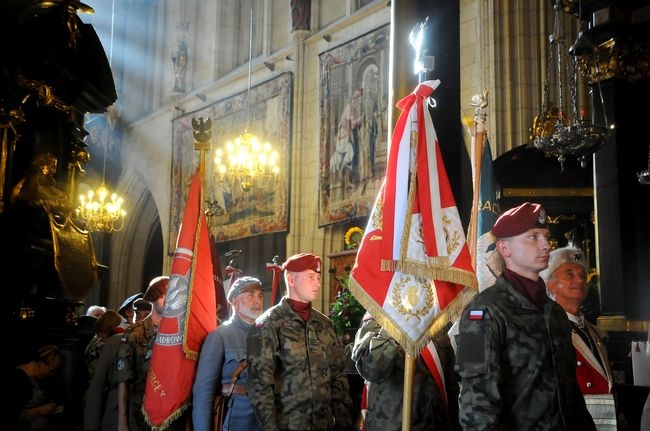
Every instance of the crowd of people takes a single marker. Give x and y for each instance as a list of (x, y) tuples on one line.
[(523, 356)]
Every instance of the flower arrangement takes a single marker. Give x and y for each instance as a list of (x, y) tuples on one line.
[(346, 312), (353, 237)]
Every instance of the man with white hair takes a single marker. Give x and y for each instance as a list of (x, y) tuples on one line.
[(566, 282), (223, 354)]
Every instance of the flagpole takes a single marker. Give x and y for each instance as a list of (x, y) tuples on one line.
[(203, 144), (479, 102), (422, 65)]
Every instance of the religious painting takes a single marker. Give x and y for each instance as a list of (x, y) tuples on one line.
[(354, 126), (236, 211)]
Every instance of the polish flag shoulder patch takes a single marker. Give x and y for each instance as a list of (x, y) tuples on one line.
[(476, 314)]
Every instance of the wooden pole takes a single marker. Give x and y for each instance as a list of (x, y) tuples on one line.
[(479, 102), (409, 372), (405, 15), (202, 143)]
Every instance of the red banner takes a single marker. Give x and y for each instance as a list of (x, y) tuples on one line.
[(188, 316)]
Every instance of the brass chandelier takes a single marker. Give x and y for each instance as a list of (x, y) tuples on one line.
[(100, 209), (247, 161), (562, 129)]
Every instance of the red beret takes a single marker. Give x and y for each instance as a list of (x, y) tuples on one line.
[(519, 219), (302, 262), (157, 288)]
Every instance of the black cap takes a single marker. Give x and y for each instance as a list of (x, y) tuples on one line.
[(128, 302)]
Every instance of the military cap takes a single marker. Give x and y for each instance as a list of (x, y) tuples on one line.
[(302, 262), (519, 219), (242, 284), (128, 302), (561, 256), (157, 288), (142, 304)]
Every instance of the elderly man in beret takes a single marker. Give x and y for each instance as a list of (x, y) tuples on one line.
[(296, 360), (515, 358), (222, 355), (133, 358), (566, 282)]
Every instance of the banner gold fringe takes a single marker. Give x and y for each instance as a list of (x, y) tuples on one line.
[(450, 314), (452, 275), (189, 353), (167, 422)]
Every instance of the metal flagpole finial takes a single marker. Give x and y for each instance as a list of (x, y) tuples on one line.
[(421, 40)]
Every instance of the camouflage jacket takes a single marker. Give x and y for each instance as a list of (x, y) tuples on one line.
[(517, 365), (296, 377), (133, 359), (380, 360)]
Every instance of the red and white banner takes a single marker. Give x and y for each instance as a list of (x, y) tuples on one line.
[(413, 271), (188, 316)]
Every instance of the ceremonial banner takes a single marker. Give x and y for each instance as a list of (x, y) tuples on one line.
[(188, 316), (413, 271), (488, 262), (276, 267), (223, 308)]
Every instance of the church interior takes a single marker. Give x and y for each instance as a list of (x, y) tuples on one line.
[(136, 96)]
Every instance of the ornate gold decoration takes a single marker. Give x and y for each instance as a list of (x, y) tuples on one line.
[(412, 296), (561, 129), (616, 58), (39, 187), (74, 257), (45, 95), (547, 192)]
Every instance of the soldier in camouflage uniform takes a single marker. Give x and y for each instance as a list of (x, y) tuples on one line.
[(296, 360), (380, 361), (515, 357), (133, 359)]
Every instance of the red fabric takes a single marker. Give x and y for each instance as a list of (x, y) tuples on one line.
[(275, 284), (223, 306), (414, 242), (188, 316), (434, 369), (302, 308), (585, 373)]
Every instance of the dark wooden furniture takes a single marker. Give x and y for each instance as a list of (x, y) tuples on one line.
[(341, 263)]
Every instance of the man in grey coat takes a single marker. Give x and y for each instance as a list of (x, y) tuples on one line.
[(221, 354)]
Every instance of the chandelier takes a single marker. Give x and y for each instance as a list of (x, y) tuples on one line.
[(100, 213), (100, 209), (562, 129), (247, 161)]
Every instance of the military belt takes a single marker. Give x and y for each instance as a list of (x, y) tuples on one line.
[(229, 388)]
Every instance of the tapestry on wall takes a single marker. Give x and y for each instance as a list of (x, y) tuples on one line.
[(238, 213), (353, 103)]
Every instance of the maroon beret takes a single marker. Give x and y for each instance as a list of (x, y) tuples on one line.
[(302, 262), (519, 219), (157, 288)]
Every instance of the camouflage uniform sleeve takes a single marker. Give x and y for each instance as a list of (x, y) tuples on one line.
[(479, 368), (262, 348), (341, 401), (376, 354), (124, 371)]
